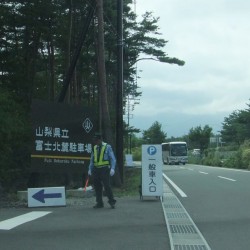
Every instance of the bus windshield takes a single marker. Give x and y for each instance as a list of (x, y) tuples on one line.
[(178, 149)]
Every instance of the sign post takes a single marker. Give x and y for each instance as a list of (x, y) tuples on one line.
[(46, 196), (152, 184)]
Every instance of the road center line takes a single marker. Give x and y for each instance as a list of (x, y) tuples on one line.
[(182, 194), (16, 221), (222, 177), (202, 172)]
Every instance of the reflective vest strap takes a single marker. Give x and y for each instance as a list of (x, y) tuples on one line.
[(100, 162)]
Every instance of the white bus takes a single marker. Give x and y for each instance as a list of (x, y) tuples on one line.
[(174, 153)]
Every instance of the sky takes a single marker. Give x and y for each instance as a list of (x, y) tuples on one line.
[(213, 38)]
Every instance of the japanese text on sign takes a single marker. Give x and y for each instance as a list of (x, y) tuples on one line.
[(152, 175), (51, 142), (152, 170)]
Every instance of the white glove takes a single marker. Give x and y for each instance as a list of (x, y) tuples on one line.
[(112, 172), (89, 172)]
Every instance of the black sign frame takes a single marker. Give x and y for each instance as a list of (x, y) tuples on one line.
[(61, 136)]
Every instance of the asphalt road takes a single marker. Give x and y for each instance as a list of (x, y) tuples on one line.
[(134, 225), (218, 201)]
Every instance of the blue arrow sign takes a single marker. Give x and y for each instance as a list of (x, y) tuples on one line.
[(41, 196)]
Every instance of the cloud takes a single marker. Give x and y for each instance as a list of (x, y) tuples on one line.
[(213, 38)]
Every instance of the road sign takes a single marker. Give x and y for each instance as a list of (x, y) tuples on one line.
[(152, 184), (129, 160), (46, 196)]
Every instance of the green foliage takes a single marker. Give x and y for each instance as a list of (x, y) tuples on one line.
[(38, 39), (224, 157), (154, 135), (136, 152), (234, 161), (240, 159), (236, 127), (135, 141), (212, 158), (194, 159), (200, 137), (14, 139), (246, 158)]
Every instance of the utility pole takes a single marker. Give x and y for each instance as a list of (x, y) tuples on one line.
[(119, 89), (131, 102), (129, 109)]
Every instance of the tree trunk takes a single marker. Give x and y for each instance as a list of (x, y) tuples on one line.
[(68, 95), (104, 112), (51, 55)]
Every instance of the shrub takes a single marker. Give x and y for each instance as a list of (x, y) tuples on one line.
[(246, 158), (234, 161), (136, 152)]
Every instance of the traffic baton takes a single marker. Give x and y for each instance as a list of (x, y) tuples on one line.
[(86, 184)]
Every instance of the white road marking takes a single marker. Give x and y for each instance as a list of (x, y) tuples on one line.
[(202, 172), (190, 169), (182, 194), (222, 177), (16, 221), (232, 169)]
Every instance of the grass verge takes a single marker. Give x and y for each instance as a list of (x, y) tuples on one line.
[(132, 180)]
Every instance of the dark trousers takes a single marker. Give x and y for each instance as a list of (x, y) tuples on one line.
[(101, 178)]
